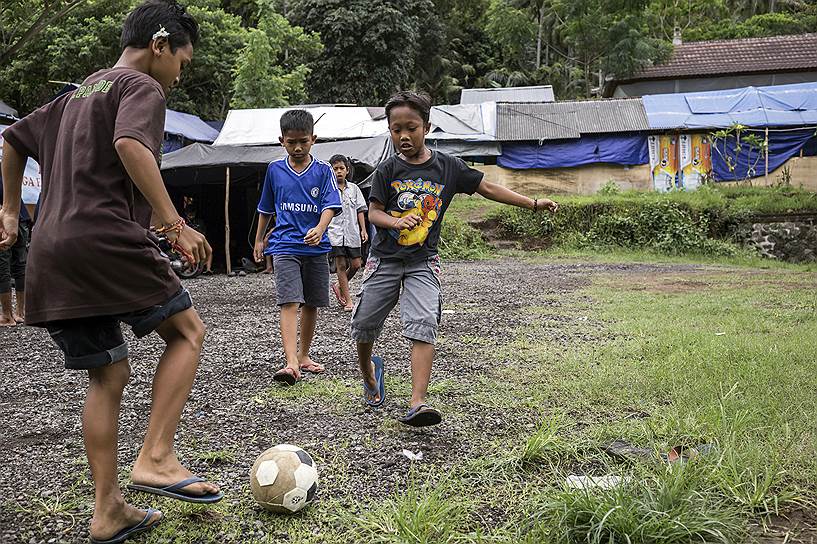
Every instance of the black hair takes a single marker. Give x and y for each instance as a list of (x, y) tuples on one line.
[(299, 120), (341, 158), (154, 15), (418, 101)]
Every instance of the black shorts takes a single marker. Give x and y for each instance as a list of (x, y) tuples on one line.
[(93, 342), (346, 251)]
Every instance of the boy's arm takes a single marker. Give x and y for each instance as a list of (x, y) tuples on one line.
[(14, 165), (315, 234), (379, 218), (260, 238), (141, 167), (498, 193), (361, 221)]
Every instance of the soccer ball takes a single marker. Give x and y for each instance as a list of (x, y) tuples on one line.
[(284, 479)]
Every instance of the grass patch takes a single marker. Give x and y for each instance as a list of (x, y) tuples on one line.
[(333, 391), (216, 456)]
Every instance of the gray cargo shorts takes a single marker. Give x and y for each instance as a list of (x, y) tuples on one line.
[(417, 287), (302, 279)]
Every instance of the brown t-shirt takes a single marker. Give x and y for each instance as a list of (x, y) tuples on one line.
[(91, 253)]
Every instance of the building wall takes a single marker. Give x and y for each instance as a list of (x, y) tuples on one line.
[(587, 180), (582, 180), (687, 85)]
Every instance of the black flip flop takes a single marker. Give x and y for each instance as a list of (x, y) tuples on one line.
[(133, 530), (285, 376), (174, 491), (422, 415)]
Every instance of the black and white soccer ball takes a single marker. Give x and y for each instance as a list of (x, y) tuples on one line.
[(284, 479)]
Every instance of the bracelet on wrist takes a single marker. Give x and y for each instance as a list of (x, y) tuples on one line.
[(536, 204)]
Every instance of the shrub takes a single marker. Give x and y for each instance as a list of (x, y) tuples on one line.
[(459, 240)]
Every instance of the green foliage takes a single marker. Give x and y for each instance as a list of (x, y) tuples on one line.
[(377, 47), (271, 70), (459, 240), (675, 223)]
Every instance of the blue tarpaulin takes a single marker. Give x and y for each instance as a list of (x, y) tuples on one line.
[(732, 164), (775, 106), (626, 149), (189, 126)]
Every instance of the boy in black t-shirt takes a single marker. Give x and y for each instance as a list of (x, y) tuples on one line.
[(410, 193)]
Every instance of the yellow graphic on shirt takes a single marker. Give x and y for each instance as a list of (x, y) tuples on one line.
[(416, 197)]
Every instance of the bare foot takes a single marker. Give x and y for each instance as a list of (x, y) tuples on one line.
[(7, 321), (168, 471), (306, 363), (19, 318), (109, 521), (371, 391), (267, 271)]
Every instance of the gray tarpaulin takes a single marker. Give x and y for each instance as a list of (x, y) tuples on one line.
[(203, 164)]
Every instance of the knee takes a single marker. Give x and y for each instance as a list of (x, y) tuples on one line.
[(195, 332), (114, 376)]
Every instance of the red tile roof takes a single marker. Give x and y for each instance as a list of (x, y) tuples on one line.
[(749, 55)]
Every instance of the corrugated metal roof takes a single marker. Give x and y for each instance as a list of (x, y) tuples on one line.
[(539, 93), (563, 120)]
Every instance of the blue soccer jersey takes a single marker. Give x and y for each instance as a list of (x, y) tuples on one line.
[(297, 200)]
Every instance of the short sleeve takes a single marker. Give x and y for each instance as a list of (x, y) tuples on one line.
[(266, 204), (380, 185), (141, 113), (468, 179), (330, 194), (360, 202), (25, 135)]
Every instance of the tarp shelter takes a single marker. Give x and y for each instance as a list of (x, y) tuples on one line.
[(181, 128), (32, 179), (263, 126), (623, 149), (769, 113), (776, 106), (7, 112), (229, 178)]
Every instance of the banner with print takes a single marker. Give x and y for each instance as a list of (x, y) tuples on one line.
[(696, 160), (663, 162), (32, 180)]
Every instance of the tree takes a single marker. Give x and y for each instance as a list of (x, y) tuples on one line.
[(23, 21), (373, 47), (271, 69)]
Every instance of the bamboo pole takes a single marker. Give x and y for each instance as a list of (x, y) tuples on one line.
[(227, 222), (767, 155)]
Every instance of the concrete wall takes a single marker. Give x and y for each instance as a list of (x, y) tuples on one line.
[(583, 180), (587, 180)]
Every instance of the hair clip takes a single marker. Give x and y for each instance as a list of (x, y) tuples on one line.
[(161, 33)]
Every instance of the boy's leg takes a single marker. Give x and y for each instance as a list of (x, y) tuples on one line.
[(420, 312), (315, 277), (97, 345), (157, 464), (354, 266), (343, 281), (6, 306), (100, 428), (379, 294), (289, 334), (19, 256)]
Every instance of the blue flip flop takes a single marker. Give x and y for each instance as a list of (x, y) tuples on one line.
[(422, 415), (381, 384), (128, 532), (174, 491)]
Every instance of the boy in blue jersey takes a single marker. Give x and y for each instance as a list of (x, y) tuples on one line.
[(303, 195)]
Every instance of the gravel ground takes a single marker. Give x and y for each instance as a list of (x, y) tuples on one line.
[(233, 408)]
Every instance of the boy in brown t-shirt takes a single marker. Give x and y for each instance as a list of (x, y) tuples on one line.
[(99, 149)]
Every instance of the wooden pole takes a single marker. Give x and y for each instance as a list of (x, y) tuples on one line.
[(227, 222), (767, 155)]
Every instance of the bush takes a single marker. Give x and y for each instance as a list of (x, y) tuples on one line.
[(459, 240), (679, 222)]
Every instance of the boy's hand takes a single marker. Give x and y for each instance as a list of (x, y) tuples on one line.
[(314, 236), (407, 222), (258, 250), (546, 204), (194, 244), (364, 236), (9, 224)]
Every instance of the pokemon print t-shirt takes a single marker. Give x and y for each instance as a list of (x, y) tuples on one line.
[(422, 189)]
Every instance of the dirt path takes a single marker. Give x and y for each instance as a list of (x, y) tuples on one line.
[(235, 410)]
